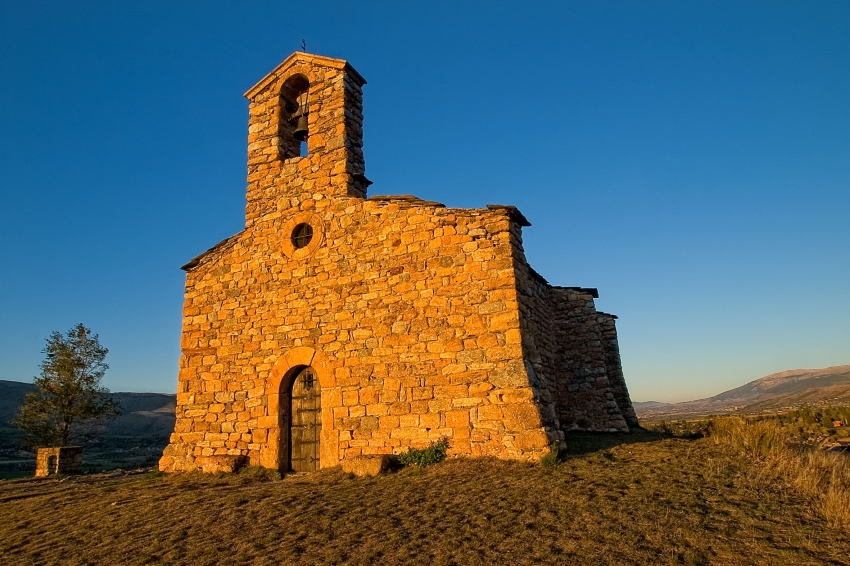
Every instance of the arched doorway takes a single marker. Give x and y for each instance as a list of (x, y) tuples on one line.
[(301, 412), (52, 464)]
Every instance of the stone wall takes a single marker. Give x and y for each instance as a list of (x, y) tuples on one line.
[(563, 341), (614, 367), (413, 309), (585, 397), (61, 460)]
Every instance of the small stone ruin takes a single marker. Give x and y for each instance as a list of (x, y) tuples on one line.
[(62, 460)]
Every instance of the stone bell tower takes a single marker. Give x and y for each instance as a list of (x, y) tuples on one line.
[(330, 160)]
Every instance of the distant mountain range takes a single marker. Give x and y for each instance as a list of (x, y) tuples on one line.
[(145, 414), (784, 390)]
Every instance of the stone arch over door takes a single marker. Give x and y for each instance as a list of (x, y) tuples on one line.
[(277, 388)]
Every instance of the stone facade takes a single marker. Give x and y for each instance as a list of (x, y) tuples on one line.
[(62, 460), (417, 320)]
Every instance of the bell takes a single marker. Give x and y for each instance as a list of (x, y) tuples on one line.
[(300, 132)]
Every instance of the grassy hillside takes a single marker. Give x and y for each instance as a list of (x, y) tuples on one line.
[(12, 394), (617, 499)]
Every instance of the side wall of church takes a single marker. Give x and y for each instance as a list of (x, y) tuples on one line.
[(563, 340), (414, 309), (614, 367), (586, 399)]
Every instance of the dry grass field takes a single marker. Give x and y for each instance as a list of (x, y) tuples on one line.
[(641, 498)]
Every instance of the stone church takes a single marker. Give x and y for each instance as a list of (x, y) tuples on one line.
[(337, 325)]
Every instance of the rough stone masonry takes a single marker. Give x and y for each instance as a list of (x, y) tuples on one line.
[(336, 326)]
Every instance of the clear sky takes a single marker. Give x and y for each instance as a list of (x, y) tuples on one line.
[(689, 159)]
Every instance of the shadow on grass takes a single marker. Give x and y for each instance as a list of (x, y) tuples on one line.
[(580, 443)]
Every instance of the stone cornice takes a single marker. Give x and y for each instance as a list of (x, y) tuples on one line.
[(300, 56)]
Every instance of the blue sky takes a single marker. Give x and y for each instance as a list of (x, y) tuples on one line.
[(689, 159)]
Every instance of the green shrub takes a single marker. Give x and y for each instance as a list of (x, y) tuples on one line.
[(553, 458), (436, 452)]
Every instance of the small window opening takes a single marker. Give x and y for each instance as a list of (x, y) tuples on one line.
[(301, 236), (308, 380)]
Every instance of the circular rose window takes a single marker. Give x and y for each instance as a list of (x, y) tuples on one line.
[(301, 235)]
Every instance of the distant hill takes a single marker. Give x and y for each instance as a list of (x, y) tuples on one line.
[(145, 414), (784, 390), (133, 440)]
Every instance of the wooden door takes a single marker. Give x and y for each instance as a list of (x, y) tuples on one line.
[(306, 421)]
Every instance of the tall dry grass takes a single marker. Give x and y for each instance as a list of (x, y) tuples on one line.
[(821, 477), (758, 439)]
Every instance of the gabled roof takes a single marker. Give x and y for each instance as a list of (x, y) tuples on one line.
[(301, 57), (406, 199), (224, 243)]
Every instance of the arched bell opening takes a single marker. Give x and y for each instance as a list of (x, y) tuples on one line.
[(293, 127), (300, 420)]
